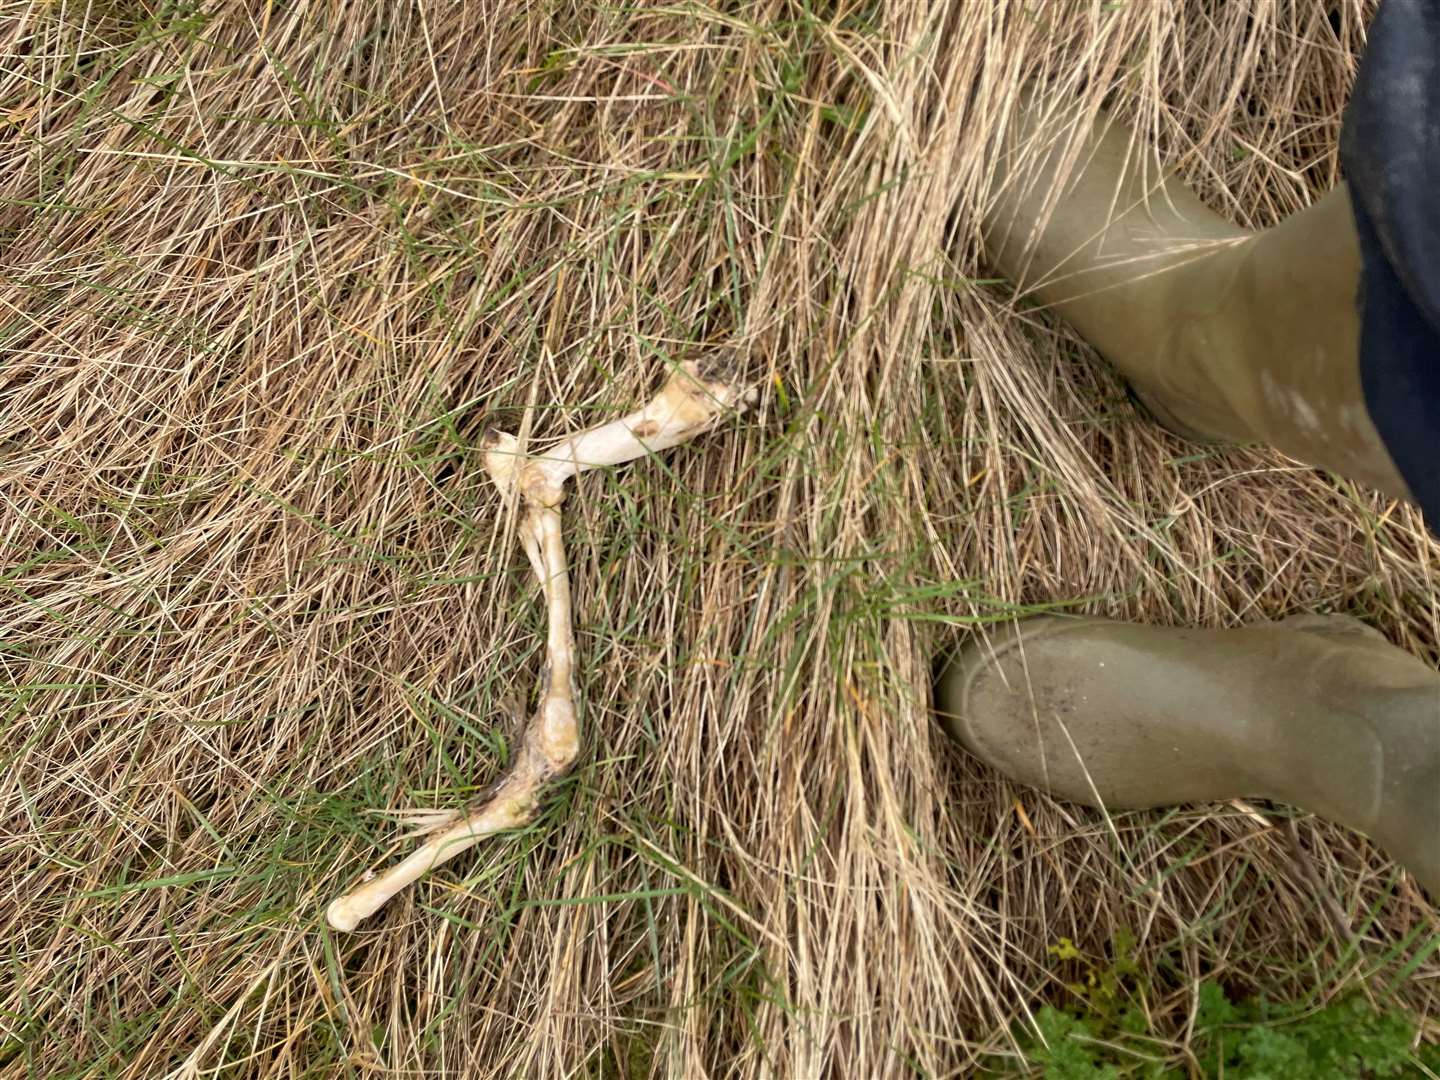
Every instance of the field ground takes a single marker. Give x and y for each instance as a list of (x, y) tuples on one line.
[(269, 270)]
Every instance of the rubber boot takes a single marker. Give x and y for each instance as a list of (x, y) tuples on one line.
[(1224, 335), (1319, 712)]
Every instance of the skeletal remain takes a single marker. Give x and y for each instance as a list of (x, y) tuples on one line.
[(692, 401)]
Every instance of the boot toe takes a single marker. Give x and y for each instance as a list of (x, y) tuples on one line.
[(1097, 712), (1008, 700)]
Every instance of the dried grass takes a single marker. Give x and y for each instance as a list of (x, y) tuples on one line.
[(267, 269)]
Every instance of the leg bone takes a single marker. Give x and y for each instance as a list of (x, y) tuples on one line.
[(690, 403)]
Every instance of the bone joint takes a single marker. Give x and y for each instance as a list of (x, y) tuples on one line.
[(693, 400)]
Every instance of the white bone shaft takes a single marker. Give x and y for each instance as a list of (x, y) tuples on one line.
[(683, 409), (347, 912)]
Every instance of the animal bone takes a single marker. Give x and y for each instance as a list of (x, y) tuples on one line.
[(692, 401)]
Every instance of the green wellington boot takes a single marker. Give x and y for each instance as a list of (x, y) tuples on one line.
[(1223, 334), (1320, 712)]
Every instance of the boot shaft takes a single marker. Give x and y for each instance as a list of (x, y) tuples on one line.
[(1226, 335)]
